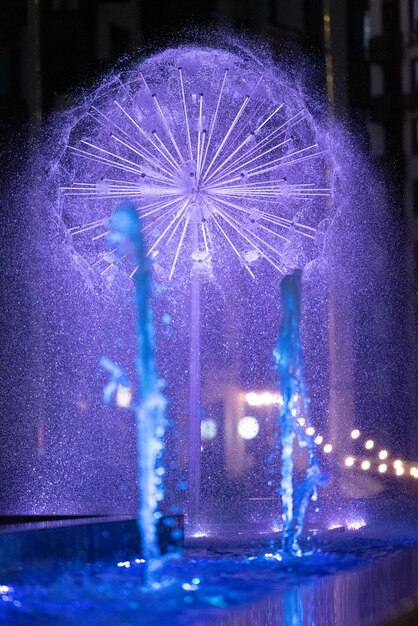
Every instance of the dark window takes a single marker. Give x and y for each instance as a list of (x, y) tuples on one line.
[(415, 197), (64, 5), (415, 134), (366, 32), (120, 40), (416, 283), (390, 17), (414, 75), (272, 8), (416, 286), (4, 72), (414, 15)]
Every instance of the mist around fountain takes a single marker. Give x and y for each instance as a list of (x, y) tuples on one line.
[(231, 174), (126, 238), (82, 297)]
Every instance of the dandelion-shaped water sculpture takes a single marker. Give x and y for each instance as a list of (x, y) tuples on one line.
[(222, 152), (126, 237), (294, 417), (225, 161)]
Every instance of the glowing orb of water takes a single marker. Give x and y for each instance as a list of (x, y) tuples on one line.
[(221, 154)]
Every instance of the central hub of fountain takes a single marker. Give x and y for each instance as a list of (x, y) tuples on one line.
[(193, 187)]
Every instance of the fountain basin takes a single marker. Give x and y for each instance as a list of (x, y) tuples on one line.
[(88, 540), (344, 578)]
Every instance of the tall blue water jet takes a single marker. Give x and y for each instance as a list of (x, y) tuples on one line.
[(294, 416), (150, 408)]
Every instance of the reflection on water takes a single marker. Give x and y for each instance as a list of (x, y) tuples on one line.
[(359, 597), (352, 580)]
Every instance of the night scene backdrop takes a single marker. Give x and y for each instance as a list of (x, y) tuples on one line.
[(62, 451)]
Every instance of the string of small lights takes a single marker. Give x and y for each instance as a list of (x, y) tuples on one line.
[(381, 462)]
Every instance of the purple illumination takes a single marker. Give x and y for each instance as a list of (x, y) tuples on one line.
[(94, 156), (234, 179)]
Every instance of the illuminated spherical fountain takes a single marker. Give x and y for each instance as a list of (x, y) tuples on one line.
[(219, 151), (228, 169)]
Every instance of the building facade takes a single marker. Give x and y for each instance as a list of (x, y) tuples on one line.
[(393, 132)]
